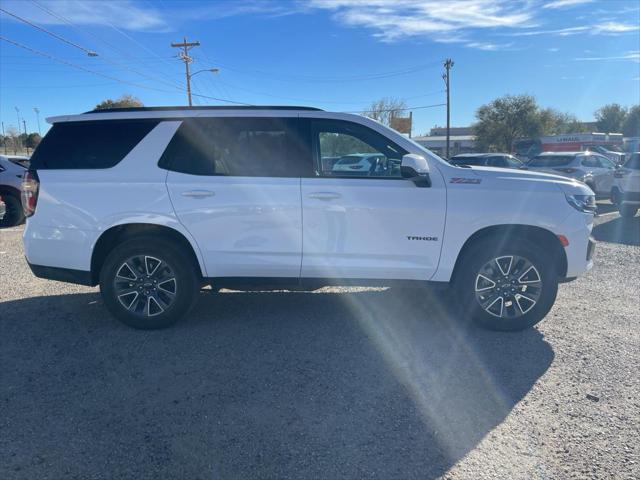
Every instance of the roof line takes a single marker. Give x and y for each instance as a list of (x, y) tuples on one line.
[(214, 107)]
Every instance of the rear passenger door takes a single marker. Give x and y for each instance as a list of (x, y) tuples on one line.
[(235, 185)]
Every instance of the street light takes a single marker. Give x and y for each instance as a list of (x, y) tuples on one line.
[(189, 75)]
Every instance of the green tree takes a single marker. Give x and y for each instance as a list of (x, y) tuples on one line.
[(610, 118), (631, 125), (504, 120), (32, 140), (123, 102), (554, 122)]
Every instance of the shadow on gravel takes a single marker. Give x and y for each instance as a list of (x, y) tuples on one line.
[(376, 383), (625, 231)]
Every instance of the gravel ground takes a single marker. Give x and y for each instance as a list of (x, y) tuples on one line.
[(338, 383)]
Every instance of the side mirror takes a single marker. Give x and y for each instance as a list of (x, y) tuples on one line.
[(415, 168)]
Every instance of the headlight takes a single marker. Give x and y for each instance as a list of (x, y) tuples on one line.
[(582, 203)]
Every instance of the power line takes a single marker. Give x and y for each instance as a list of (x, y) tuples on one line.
[(79, 67), (91, 53), (119, 65), (398, 109)]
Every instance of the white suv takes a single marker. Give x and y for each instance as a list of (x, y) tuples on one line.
[(154, 203)]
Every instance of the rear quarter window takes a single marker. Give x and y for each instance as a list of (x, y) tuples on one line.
[(89, 145)]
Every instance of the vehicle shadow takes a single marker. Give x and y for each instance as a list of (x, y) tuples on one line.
[(373, 383), (625, 231), (606, 207)]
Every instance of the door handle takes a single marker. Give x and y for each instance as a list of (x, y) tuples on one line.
[(324, 195), (198, 193)]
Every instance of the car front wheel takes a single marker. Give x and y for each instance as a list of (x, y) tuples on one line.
[(148, 283), (506, 287)]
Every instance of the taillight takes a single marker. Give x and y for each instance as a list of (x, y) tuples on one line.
[(566, 170), (30, 189)]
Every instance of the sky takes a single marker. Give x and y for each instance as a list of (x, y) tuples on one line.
[(339, 55)]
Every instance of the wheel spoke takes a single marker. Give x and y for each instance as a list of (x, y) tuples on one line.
[(524, 303), (127, 299), (496, 307), (168, 286), (484, 283), (531, 275), (504, 264), (127, 272), (151, 264), (153, 307)]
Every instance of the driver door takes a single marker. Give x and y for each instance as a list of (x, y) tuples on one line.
[(366, 223)]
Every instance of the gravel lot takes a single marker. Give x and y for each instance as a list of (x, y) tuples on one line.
[(338, 383)]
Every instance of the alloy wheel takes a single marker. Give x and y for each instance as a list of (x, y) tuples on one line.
[(145, 285), (508, 286)]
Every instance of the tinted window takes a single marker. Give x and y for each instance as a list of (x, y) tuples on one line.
[(247, 147), (80, 145), (347, 149), (497, 162), (551, 161), (605, 162)]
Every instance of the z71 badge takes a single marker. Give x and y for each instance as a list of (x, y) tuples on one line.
[(465, 180)]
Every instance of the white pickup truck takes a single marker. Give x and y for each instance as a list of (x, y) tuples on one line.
[(154, 203)]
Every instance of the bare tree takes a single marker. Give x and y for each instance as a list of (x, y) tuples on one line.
[(386, 108)]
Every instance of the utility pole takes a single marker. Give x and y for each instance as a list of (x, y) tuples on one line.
[(4, 139), (184, 56), (448, 64), (15, 150), (37, 110), (26, 137)]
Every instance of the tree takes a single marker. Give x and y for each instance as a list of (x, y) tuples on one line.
[(554, 122), (123, 102), (504, 120), (386, 108), (610, 118), (631, 125), (32, 140)]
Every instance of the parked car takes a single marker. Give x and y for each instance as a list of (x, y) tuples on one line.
[(591, 168), (153, 203), (612, 152), (12, 169), (3, 208), (626, 187), (502, 160), (359, 163)]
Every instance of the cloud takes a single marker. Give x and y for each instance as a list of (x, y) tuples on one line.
[(124, 14), (565, 3), (633, 56), (441, 21), (489, 47), (616, 27)]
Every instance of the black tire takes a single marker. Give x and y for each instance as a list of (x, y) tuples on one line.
[(483, 253), (175, 263), (14, 214), (627, 211)]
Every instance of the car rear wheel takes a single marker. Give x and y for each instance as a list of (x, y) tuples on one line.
[(14, 214), (627, 211), (506, 287), (148, 283)]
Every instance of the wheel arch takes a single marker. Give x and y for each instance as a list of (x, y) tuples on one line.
[(117, 234), (506, 233)]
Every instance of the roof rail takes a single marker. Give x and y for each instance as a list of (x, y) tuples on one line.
[(216, 107)]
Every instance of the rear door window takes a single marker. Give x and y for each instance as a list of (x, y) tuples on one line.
[(242, 147), (89, 145)]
